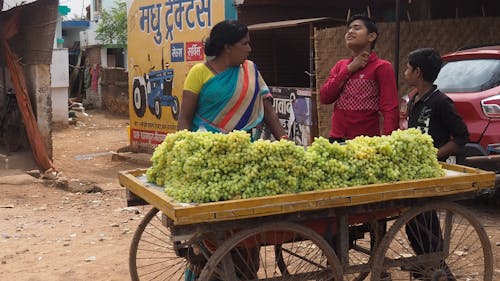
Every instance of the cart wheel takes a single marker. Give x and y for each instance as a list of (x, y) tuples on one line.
[(155, 256), (250, 254), (282, 265), (358, 258), (437, 238), (355, 258)]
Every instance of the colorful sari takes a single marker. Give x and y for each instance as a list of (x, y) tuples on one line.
[(232, 100)]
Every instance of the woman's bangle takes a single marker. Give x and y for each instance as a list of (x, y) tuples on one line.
[(284, 137)]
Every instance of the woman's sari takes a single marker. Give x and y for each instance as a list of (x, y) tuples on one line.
[(232, 100)]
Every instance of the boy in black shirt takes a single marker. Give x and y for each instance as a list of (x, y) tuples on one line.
[(434, 113), (430, 110)]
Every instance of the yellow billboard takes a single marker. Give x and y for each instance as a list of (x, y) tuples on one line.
[(165, 39)]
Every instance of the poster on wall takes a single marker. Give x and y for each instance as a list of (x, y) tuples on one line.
[(294, 107), (165, 39)]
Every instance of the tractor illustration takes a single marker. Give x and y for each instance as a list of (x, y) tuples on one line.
[(154, 89)]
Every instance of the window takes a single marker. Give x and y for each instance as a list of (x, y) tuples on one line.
[(469, 75)]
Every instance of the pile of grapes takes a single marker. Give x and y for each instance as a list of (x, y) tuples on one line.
[(205, 167)]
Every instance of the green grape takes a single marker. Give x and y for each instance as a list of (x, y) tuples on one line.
[(205, 167)]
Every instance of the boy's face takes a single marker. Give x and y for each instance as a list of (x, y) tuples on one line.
[(411, 75), (357, 35)]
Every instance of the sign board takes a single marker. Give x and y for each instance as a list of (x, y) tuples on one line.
[(294, 107), (165, 39)]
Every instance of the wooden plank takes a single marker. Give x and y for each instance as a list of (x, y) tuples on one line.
[(153, 197), (469, 180)]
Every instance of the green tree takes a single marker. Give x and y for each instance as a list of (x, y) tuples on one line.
[(112, 27)]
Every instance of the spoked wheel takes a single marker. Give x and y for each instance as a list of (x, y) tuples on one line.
[(439, 238), (359, 255), (251, 255), (154, 255)]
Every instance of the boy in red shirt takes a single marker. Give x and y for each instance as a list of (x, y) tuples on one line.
[(362, 87)]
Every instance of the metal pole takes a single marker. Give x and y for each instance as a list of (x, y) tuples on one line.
[(396, 44)]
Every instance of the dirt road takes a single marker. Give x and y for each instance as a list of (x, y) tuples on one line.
[(47, 233)]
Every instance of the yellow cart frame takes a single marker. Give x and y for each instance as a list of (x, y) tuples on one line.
[(188, 220)]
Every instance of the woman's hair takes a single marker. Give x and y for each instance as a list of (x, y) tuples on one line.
[(226, 32), (428, 60), (369, 23)]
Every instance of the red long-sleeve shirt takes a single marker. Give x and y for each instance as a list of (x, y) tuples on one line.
[(360, 97)]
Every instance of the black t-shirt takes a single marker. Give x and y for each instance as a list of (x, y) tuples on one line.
[(435, 114)]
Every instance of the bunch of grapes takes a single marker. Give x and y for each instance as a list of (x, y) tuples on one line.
[(206, 167), (273, 168)]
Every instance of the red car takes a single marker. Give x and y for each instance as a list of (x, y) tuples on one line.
[(471, 78)]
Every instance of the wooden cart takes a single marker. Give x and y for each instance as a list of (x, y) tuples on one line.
[(394, 231)]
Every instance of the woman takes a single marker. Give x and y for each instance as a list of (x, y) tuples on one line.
[(227, 92)]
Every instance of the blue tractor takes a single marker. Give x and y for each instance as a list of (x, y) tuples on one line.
[(155, 90)]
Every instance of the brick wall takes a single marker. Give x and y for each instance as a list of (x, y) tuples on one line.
[(114, 89), (93, 55)]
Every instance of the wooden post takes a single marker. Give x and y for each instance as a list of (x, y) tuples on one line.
[(396, 44), (342, 238)]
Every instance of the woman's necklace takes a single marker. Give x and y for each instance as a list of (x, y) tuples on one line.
[(215, 72)]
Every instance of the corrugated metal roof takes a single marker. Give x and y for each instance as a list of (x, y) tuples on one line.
[(290, 23), (9, 4)]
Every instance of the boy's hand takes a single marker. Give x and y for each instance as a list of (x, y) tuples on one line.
[(358, 62)]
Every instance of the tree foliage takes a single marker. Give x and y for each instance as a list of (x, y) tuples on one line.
[(112, 27)]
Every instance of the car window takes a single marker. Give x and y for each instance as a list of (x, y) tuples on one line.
[(469, 75)]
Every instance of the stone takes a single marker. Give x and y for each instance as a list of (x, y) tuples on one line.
[(91, 258), (133, 210)]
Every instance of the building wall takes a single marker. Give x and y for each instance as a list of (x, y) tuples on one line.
[(114, 87), (40, 95), (93, 55), (70, 38), (58, 33), (96, 6), (87, 37), (104, 56), (94, 62), (33, 45), (59, 86)]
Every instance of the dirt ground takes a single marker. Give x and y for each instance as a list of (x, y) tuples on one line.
[(54, 232), (48, 233)]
